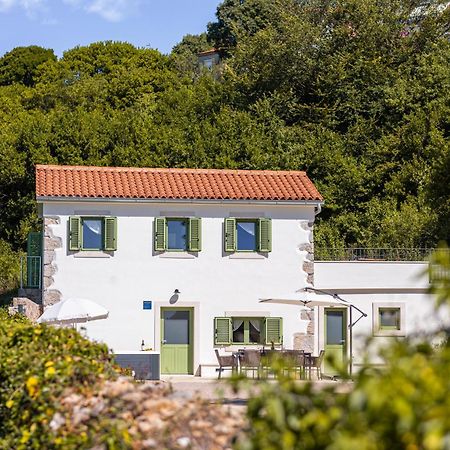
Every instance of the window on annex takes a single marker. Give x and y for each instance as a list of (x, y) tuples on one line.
[(248, 235), (389, 318), (248, 330), (92, 233)]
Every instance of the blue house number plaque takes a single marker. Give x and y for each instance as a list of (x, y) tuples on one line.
[(147, 304)]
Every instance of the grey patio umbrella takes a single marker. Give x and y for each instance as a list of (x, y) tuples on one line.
[(305, 300), (308, 298)]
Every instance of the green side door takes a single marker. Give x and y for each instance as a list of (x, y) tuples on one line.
[(335, 341), (177, 340)]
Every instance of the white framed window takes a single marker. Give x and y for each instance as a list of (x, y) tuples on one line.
[(247, 235), (248, 330), (177, 234), (92, 233), (389, 319)]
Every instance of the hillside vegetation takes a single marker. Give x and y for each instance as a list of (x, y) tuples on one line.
[(355, 92)]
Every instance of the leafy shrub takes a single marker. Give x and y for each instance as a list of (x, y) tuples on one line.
[(37, 363), (405, 405), (10, 268)]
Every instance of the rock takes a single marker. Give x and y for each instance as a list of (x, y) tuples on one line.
[(183, 442), (57, 421), (149, 443)]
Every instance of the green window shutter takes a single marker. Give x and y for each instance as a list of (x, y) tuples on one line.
[(159, 231), (264, 235), (110, 233), (222, 331), (230, 235), (74, 233), (273, 330), (34, 243), (195, 234)]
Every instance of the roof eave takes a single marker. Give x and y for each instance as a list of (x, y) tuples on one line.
[(42, 199)]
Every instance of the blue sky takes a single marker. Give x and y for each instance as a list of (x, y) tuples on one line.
[(63, 24)]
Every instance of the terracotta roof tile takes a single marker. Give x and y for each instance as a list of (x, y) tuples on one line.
[(203, 184)]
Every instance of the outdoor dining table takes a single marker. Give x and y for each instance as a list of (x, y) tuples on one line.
[(305, 369)]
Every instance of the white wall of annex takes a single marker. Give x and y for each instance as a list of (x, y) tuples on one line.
[(365, 283), (216, 282)]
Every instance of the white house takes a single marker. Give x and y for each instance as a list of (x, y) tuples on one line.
[(180, 257)]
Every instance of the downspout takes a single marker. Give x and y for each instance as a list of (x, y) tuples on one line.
[(318, 209)]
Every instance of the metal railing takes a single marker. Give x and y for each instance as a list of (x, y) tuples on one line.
[(371, 254), (30, 272)]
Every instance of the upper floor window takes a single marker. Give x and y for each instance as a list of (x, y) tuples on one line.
[(248, 235), (92, 233), (177, 230), (177, 234)]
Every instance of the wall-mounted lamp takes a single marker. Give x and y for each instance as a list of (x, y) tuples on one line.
[(175, 296)]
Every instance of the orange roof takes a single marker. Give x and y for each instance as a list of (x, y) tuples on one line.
[(203, 184), (211, 51)]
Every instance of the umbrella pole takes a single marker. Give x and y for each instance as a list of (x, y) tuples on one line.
[(351, 343)]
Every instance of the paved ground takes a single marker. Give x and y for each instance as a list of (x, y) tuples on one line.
[(186, 387)]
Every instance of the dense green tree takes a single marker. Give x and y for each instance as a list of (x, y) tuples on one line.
[(20, 65), (374, 77)]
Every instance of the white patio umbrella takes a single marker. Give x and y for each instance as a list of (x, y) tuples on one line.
[(72, 311)]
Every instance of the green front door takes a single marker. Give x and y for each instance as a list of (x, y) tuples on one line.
[(335, 341), (176, 340)]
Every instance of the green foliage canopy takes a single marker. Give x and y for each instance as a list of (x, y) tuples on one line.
[(20, 65)]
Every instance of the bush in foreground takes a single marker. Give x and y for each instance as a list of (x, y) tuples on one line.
[(58, 390), (37, 363)]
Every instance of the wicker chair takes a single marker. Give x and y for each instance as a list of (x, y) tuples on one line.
[(267, 359), (226, 363), (295, 362), (250, 360), (316, 363)]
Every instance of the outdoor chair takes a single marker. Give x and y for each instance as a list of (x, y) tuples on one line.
[(250, 360), (226, 363), (267, 359), (295, 362), (316, 362)]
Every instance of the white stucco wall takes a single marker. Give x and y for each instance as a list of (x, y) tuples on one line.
[(365, 283), (213, 282)]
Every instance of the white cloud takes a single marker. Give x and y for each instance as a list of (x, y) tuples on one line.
[(29, 6), (5, 5), (110, 10)]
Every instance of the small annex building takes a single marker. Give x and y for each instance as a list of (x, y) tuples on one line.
[(180, 257)]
